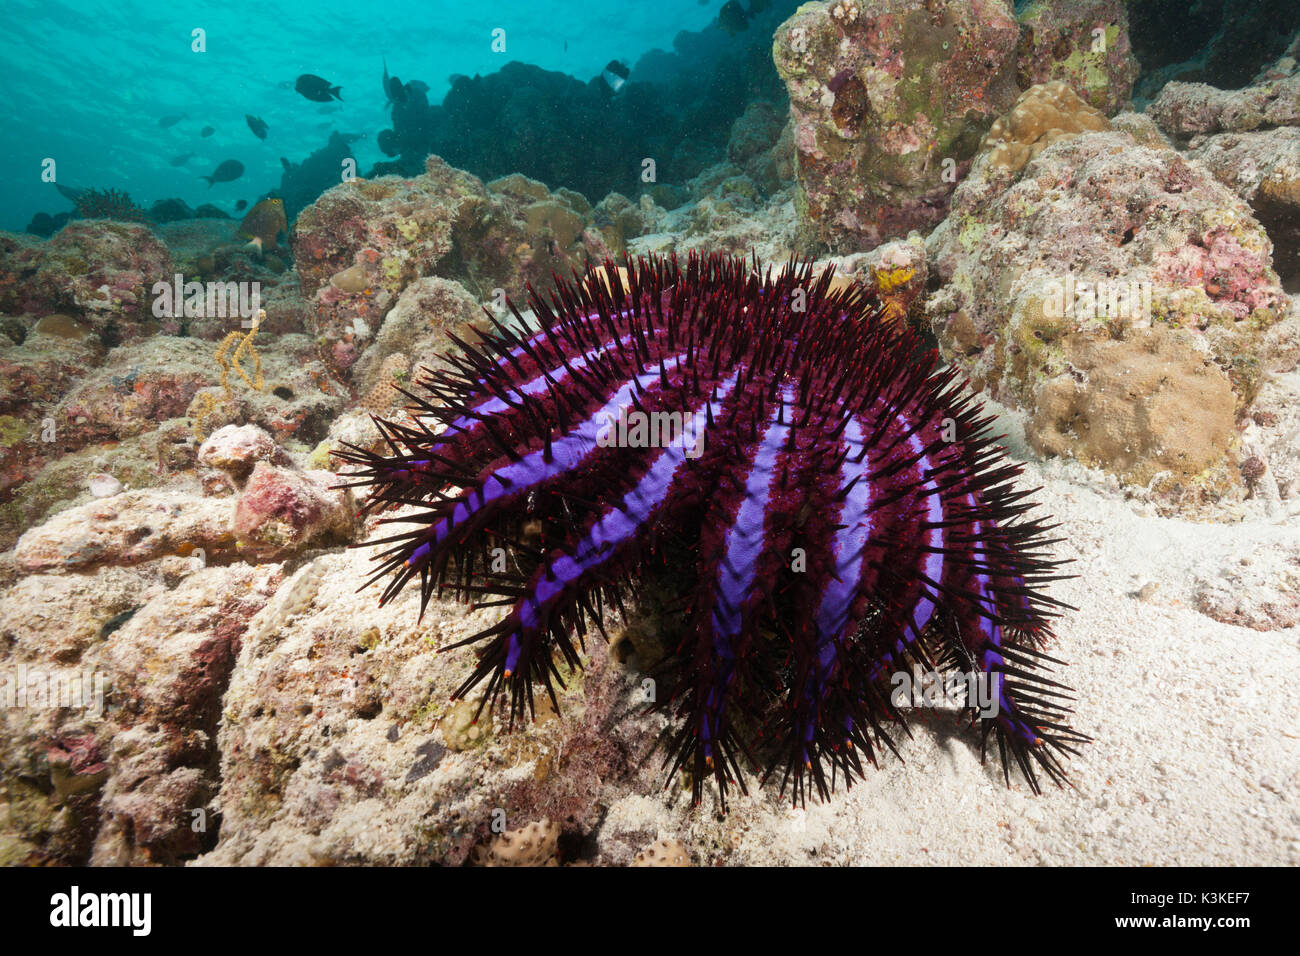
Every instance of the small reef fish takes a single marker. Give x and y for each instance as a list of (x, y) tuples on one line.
[(255, 123), (167, 122), (732, 17), (241, 205), (227, 172), (392, 87), (182, 159), (206, 132), (615, 75), (264, 222), (70, 192), (317, 88)]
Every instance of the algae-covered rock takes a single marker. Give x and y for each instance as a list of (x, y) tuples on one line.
[(1083, 43), (1102, 254), (889, 100)]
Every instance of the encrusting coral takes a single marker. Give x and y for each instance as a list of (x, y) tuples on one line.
[(1043, 115)]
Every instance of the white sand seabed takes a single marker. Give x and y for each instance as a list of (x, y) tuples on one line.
[(1195, 756)]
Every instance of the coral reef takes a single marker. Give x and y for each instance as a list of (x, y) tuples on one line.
[(1043, 115), (533, 845), (281, 511), (99, 272), (1102, 254), (1082, 44), (175, 546), (675, 109), (363, 242), (108, 204), (889, 99), (1183, 110)]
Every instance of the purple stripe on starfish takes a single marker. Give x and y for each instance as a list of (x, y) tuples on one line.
[(533, 469), (543, 381), (932, 563), (534, 341), (743, 549), (617, 525), (846, 547), (990, 660)]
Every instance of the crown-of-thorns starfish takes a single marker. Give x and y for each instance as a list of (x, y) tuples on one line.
[(830, 505)]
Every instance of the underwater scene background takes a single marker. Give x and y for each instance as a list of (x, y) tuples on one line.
[(325, 537)]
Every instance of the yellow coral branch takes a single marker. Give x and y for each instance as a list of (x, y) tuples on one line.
[(244, 348)]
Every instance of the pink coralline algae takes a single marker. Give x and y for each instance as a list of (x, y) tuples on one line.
[(1236, 279)]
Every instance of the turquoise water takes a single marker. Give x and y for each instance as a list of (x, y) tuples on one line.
[(87, 81)]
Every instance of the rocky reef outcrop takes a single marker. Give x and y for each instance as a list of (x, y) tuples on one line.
[(1116, 291)]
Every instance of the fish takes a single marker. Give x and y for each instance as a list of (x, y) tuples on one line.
[(388, 85), (206, 131), (615, 75), (70, 192), (263, 224), (227, 172), (258, 127), (317, 88), (241, 205), (387, 142), (167, 122), (182, 159), (732, 17)]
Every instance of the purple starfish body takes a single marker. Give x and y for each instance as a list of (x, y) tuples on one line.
[(828, 502)]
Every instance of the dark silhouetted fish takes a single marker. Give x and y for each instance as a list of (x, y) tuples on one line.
[(182, 159), (387, 141), (392, 87), (317, 88), (732, 17), (167, 122), (241, 205), (227, 172), (263, 224), (615, 75), (206, 132), (256, 125), (70, 192)]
